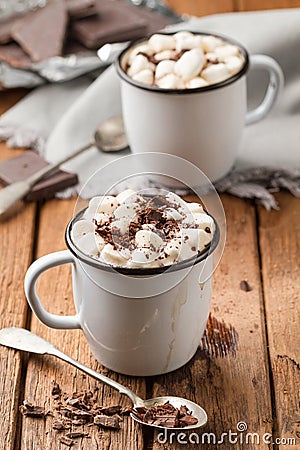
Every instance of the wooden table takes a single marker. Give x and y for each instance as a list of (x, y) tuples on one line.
[(260, 386)]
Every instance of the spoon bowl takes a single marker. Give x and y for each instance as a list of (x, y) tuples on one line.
[(24, 340), (110, 135)]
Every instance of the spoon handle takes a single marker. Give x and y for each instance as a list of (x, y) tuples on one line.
[(16, 191), (98, 376)]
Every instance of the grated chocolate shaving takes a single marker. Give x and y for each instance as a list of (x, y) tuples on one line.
[(166, 415), (30, 410)]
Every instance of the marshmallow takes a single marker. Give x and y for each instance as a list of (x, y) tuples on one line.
[(166, 54), (144, 48), (112, 256), (92, 208), (107, 204), (170, 253), (147, 238), (100, 242), (164, 68), (171, 213), (170, 81), (101, 218), (124, 195), (143, 255), (188, 42), (215, 73), (176, 200), (234, 64), (146, 76), (160, 42), (128, 211), (87, 244), (225, 51), (183, 35), (121, 225), (139, 63), (203, 240), (190, 64), (189, 243), (81, 228), (195, 207), (211, 57), (210, 43), (203, 221), (196, 83)]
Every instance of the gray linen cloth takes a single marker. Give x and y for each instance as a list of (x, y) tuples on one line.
[(58, 119)]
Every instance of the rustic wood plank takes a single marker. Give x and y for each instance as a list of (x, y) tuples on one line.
[(280, 250), (55, 289), (231, 389), (255, 5), (201, 8), (17, 235)]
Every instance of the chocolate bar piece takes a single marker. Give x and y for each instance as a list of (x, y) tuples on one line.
[(78, 9), (6, 27), (21, 167), (41, 33), (115, 21), (15, 56), (155, 21)]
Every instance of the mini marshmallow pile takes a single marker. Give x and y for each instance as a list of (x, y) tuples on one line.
[(131, 230), (183, 61)]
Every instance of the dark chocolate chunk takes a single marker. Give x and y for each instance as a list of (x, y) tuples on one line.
[(79, 9), (115, 21), (13, 55), (110, 410), (30, 410), (107, 421), (61, 424), (41, 33), (166, 415), (76, 434), (6, 27), (66, 441), (56, 390), (245, 286), (21, 167)]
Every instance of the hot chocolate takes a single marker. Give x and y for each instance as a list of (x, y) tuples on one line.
[(134, 230), (183, 60)]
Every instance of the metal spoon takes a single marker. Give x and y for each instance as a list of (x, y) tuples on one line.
[(108, 137), (21, 339)]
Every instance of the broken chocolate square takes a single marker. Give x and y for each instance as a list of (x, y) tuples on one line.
[(41, 33), (20, 167)]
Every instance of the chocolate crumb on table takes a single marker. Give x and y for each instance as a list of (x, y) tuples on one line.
[(245, 286), (30, 410)]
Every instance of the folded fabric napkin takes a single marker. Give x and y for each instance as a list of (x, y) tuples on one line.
[(58, 119)]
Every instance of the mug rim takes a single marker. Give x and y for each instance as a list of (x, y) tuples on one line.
[(121, 72), (140, 271)]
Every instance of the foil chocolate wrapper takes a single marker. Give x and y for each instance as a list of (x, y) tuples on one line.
[(64, 68)]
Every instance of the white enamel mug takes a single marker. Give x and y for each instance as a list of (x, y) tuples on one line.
[(203, 125), (136, 321)]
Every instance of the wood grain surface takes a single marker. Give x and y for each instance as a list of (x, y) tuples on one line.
[(203, 8), (280, 257), (16, 246), (260, 386)]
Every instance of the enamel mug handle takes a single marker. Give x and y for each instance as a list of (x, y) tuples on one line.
[(35, 270), (275, 84)]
